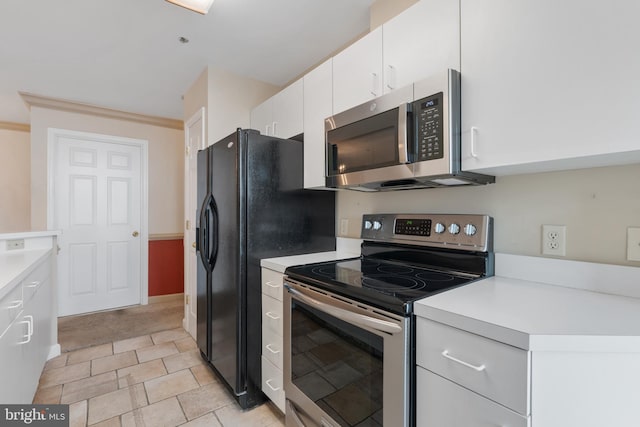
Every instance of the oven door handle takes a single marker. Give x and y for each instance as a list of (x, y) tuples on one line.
[(348, 316)]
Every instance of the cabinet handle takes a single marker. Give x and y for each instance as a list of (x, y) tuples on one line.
[(374, 85), (275, 126), (29, 323), (272, 285), (272, 316), (463, 363), (33, 284), (474, 131), (391, 79), (15, 304), (268, 346), (268, 382)]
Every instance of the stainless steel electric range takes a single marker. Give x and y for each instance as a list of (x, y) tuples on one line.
[(349, 328)]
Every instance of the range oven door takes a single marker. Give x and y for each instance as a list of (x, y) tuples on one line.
[(345, 363)]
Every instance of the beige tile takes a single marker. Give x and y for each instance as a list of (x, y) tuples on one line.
[(89, 387), (204, 375), (170, 335), (111, 422), (208, 420), (156, 352), (65, 374), (111, 363), (48, 395), (261, 416), (166, 413), (132, 344), (140, 373), (56, 362), (89, 353), (78, 414), (106, 406), (186, 344), (180, 361), (170, 385), (198, 402)]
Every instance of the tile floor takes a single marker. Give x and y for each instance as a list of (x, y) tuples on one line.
[(151, 380)]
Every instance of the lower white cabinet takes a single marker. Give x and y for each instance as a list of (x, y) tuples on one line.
[(272, 342)]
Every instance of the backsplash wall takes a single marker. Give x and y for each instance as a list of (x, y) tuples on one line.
[(597, 205)]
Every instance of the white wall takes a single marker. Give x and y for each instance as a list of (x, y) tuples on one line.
[(597, 205), (383, 10), (166, 176), (15, 181)]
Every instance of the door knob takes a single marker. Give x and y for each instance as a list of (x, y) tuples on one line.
[(135, 234), (193, 245)]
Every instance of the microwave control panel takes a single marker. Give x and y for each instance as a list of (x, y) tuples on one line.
[(429, 127)]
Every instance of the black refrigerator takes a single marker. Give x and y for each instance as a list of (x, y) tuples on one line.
[(251, 206)]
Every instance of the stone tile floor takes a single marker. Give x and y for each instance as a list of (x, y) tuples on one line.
[(151, 380)]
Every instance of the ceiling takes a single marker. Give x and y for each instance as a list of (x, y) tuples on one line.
[(125, 54)]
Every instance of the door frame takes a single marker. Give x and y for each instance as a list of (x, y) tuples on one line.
[(53, 135), (199, 115)]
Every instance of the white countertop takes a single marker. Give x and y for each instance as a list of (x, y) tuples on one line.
[(539, 317), (281, 263), (16, 265), (29, 234)]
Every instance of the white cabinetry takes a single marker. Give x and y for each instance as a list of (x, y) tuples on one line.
[(549, 85), (421, 41), (272, 342), (318, 105), (27, 313), (280, 115)]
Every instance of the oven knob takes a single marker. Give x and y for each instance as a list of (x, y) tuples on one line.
[(377, 225), (367, 225), (470, 229), (440, 228), (454, 228)]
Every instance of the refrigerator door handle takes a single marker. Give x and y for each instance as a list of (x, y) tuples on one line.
[(203, 236), (213, 208)]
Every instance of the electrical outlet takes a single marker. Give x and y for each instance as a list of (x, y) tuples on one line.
[(633, 244), (554, 240), (344, 227), (15, 244)]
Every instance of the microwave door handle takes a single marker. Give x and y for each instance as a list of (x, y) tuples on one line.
[(348, 316), (403, 140)]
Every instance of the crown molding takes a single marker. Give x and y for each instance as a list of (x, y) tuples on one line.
[(20, 127), (75, 107)]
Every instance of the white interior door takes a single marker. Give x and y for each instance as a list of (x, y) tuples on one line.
[(194, 140), (98, 206)]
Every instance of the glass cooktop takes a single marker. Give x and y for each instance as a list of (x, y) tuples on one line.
[(385, 284)]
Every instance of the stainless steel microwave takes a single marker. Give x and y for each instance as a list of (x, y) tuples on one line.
[(391, 144)]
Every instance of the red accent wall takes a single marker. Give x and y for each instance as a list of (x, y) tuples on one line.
[(166, 267)]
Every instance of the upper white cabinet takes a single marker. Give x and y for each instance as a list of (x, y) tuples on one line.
[(280, 115), (421, 41), (357, 72), (549, 85), (318, 105)]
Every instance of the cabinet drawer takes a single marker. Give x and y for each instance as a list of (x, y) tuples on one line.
[(272, 347), (272, 283), (271, 314), (35, 280), (490, 368), (272, 383), (10, 306), (443, 403)]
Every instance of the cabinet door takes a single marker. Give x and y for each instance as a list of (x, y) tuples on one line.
[(318, 105), (287, 111), (262, 117), (15, 370), (357, 72), (549, 85), (421, 41)]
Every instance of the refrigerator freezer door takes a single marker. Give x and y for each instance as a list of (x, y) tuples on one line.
[(203, 270)]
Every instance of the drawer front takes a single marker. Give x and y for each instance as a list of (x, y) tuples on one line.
[(10, 306), (272, 347), (272, 383), (271, 314), (443, 403), (35, 280), (490, 368), (272, 283)]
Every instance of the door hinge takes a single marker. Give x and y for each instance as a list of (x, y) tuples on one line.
[(188, 224), (187, 150), (186, 299)]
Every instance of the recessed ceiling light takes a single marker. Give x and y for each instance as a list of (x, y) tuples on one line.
[(183, 40), (200, 6)]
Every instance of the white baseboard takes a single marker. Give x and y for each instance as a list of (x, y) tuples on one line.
[(54, 351), (163, 298)]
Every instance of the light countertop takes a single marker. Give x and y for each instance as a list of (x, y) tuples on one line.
[(280, 264), (16, 265)]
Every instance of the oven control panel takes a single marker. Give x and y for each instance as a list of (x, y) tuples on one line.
[(467, 232)]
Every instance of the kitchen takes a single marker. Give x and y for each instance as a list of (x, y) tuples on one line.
[(597, 204)]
